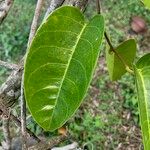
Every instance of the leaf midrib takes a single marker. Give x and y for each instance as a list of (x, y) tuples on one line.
[(74, 48)]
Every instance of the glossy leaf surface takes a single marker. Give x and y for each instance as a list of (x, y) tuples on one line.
[(127, 50), (142, 72), (60, 64)]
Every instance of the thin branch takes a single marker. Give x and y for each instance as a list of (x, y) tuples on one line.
[(6, 132), (109, 42), (53, 5), (23, 116), (81, 4), (9, 65), (72, 146), (49, 144), (23, 103), (4, 111), (10, 89), (4, 9), (35, 20), (18, 123), (98, 5), (112, 49)]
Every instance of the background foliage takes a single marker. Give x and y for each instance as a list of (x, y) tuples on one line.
[(108, 119)]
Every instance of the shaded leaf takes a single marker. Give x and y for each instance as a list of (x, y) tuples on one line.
[(127, 50), (142, 73), (60, 64)]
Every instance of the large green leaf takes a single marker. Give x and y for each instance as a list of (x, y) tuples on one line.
[(147, 3), (60, 64), (127, 50), (142, 72)]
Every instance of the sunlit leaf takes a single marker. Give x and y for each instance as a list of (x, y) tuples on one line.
[(60, 64), (127, 50), (142, 73), (147, 3)]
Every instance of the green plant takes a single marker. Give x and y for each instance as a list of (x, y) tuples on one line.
[(85, 128), (127, 51), (142, 72), (49, 113), (61, 65)]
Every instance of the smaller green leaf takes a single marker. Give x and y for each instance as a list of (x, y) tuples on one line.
[(127, 50), (142, 74), (147, 3)]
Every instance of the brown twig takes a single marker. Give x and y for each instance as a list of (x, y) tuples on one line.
[(4, 111), (112, 49), (23, 103), (81, 4), (109, 42), (72, 146), (9, 65), (4, 9), (6, 133), (49, 144), (35, 20), (10, 89), (18, 123), (53, 5), (98, 5)]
